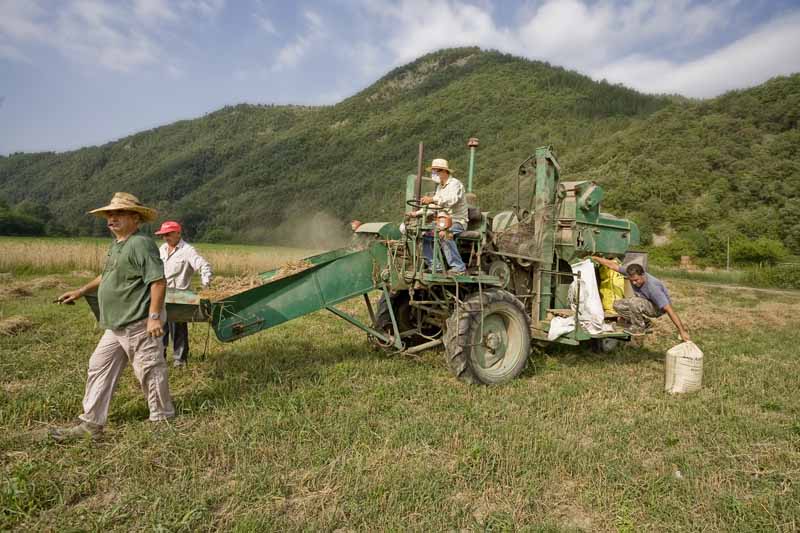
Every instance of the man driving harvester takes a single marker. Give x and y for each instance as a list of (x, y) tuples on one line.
[(651, 299), (449, 197)]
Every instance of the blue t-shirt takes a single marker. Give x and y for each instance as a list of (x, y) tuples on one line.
[(652, 290)]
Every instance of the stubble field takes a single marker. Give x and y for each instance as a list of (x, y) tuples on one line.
[(304, 427)]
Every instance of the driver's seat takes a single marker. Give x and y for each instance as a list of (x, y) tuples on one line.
[(473, 231)]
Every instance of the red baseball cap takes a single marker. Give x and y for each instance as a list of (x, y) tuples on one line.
[(168, 227)]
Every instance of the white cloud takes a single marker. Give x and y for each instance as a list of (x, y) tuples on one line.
[(664, 46), (153, 10), (366, 58), (769, 51), (118, 36), (266, 24), (173, 71), (96, 33), (290, 55), (85, 31), (416, 27), (18, 20), (207, 8)]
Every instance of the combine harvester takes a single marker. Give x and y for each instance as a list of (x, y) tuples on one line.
[(517, 281)]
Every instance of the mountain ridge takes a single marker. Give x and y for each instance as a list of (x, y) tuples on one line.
[(244, 172)]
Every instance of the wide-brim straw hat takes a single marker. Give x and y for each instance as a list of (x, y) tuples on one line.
[(125, 201), (440, 164)]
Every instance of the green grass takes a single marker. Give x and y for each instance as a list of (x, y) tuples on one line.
[(303, 427)]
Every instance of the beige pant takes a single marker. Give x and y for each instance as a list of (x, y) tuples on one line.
[(146, 355)]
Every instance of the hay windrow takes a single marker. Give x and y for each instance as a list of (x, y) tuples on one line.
[(14, 325), (47, 282), (24, 289), (14, 291)]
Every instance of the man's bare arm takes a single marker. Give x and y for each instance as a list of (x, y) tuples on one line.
[(606, 262), (71, 296), (158, 289), (677, 321)]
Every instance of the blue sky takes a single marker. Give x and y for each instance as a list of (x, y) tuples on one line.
[(81, 72)]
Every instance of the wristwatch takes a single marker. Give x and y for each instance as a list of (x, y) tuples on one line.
[(154, 316)]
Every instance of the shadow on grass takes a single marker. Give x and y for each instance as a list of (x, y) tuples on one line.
[(623, 354), (284, 362), (238, 373)]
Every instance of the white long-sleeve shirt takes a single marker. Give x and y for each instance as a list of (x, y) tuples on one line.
[(451, 197), (182, 263)]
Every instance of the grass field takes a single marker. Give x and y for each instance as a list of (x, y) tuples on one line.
[(304, 427)]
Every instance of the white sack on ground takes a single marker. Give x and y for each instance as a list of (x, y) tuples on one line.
[(591, 313), (683, 369)]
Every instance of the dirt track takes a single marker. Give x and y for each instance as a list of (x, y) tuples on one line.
[(784, 292)]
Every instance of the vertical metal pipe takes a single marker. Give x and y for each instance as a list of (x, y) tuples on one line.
[(418, 183), (472, 143)]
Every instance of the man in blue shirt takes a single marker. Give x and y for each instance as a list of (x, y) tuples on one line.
[(651, 299)]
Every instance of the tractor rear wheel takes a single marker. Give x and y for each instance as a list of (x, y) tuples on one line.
[(491, 347)]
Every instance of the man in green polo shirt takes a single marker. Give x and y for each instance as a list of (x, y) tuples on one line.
[(130, 293)]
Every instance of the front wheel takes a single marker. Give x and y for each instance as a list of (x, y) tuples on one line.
[(488, 338), (605, 345), (407, 319)]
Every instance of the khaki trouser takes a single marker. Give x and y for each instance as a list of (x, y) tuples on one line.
[(146, 355), (636, 311)]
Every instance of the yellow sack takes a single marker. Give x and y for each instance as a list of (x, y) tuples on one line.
[(612, 287)]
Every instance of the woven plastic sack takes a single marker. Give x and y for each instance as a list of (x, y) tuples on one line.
[(683, 368), (612, 287)]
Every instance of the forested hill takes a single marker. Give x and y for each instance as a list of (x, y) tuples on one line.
[(703, 169)]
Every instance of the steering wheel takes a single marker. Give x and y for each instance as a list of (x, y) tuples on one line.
[(416, 204)]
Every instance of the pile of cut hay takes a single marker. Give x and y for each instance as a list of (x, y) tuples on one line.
[(14, 291), (14, 325), (292, 267), (228, 286), (224, 287)]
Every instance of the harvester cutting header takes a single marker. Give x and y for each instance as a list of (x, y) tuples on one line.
[(519, 281)]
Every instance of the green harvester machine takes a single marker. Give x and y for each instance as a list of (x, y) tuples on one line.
[(518, 276)]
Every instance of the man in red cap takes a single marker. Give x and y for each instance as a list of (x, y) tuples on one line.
[(181, 261)]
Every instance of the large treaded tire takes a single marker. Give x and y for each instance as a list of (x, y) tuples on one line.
[(468, 356)]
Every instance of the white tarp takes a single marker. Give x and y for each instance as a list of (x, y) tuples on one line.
[(590, 313)]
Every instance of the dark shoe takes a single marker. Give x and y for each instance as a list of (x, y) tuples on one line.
[(84, 430)]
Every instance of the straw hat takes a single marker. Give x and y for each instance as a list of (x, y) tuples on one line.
[(125, 201), (439, 164)]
